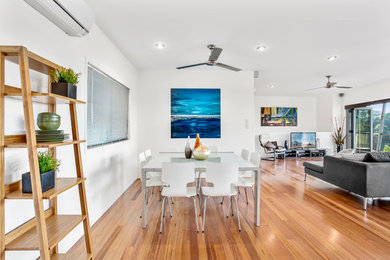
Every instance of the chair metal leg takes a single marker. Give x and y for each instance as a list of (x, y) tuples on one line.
[(238, 214), (170, 209), (305, 176), (162, 214), (173, 202), (200, 197), (147, 197), (246, 196), (222, 200), (231, 205), (204, 213), (228, 207), (196, 215), (365, 200)]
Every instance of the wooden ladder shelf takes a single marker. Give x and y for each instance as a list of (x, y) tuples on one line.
[(47, 229)]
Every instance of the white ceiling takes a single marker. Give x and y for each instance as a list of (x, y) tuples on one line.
[(300, 35)]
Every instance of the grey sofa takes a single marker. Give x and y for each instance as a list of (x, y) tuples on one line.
[(367, 179)]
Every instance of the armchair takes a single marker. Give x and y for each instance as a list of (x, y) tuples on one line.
[(272, 147)]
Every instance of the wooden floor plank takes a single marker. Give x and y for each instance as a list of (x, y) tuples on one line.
[(298, 220)]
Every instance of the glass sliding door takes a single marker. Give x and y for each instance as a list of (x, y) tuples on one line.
[(384, 140), (377, 113), (363, 130), (368, 126)]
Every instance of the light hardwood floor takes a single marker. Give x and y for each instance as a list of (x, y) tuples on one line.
[(312, 220)]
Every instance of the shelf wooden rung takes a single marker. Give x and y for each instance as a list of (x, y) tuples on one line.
[(43, 145), (38, 97), (71, 256), (35, 62), (58, 226), (34, 58), (61, 185)]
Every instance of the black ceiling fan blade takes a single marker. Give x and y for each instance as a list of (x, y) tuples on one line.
[(193, 65), (227, 67), (341, 87), (215, 54)]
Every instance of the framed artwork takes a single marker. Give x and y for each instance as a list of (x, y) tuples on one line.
[(195, 111), (279, 116)]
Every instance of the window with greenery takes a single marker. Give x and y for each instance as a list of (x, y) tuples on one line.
[(370, 127), (108, 109)]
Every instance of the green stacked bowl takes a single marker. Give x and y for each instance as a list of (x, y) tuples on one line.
[(49, 121)]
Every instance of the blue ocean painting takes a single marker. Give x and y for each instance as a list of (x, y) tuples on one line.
[(195, 111)]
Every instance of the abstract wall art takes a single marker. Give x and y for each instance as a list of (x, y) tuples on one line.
[(279, 116), (195, 111)]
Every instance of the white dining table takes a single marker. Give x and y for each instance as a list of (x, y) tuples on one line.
[(155, 165)]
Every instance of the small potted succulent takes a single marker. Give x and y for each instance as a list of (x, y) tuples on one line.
[(47, 167), (64, 82)]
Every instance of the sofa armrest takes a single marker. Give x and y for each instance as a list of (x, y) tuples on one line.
[(378, 179), (347, 174)]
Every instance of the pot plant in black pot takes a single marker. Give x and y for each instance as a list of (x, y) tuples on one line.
[(47, 167), (64, 82)]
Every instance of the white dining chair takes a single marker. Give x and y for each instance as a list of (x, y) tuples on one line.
[(222, 176), (151, 181), (245, 154), (148, 154), (177, 176), (248, 179), (156, 175)]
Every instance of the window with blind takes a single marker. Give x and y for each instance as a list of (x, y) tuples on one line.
[(108, 109)]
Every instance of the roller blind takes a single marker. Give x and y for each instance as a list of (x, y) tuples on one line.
[(108, 109)]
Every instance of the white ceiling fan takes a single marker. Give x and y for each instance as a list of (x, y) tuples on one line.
[(215, 52), (329, 85)]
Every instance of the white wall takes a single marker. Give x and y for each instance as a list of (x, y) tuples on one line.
[(308, 119), (375, 92), (237, 101), (329, 109), (109, 169), (307, 113)]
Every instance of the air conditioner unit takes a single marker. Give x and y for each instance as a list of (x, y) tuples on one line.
[(72, 16)]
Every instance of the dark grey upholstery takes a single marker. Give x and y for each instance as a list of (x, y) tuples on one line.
[(368, 179), (377, 157), (315, 166)]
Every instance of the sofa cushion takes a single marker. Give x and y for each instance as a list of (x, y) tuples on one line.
[(315, 166), (269, 145), (354, 157), (377, 157)]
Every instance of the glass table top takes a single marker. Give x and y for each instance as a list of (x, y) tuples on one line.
[(156, 162)]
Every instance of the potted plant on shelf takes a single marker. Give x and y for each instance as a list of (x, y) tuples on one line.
[(338, 136), (64, 82), (47, 166)]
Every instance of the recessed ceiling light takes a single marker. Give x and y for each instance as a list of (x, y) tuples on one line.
[(261, 48), (160, 45), (272, 86), (331, 58)]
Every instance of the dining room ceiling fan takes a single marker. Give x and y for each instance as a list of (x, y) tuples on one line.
[(329, 85), (212, 61)]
